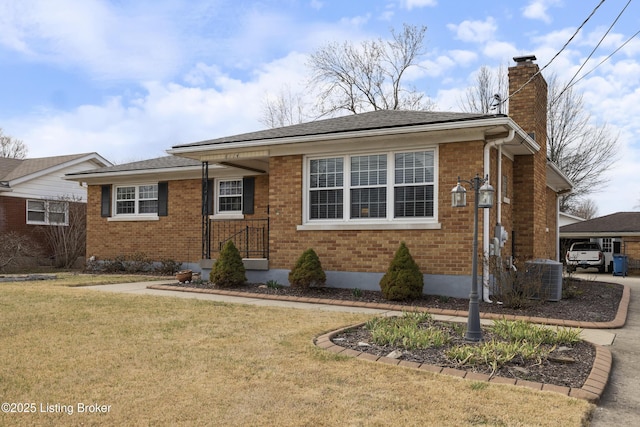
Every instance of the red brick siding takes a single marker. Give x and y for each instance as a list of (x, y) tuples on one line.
[(528, 108), (444, 251), (177, 236)]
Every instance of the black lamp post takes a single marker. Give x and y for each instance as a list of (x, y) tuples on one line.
[(483, 199)]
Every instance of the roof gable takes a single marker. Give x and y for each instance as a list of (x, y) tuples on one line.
[(19, 169)]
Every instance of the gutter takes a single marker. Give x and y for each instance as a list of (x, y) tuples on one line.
[(485, 221)]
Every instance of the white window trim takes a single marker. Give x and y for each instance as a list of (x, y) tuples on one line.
[(390, 223), (46, 212), (115, 216), (216, 200)]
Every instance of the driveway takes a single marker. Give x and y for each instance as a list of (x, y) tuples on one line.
[(620, 403)]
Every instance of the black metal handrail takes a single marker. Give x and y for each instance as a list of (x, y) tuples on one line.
[(250, 236)]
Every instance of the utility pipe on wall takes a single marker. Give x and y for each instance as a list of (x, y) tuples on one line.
[(485, 221)]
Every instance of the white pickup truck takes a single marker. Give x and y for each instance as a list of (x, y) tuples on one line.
[(585, 255)]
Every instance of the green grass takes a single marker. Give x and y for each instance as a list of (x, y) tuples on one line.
[(173, 361)]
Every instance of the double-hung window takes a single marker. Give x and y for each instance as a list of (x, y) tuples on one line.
[(137, 200), (413, 185), (47, 212), (371, 188), (229, 195), (326, 182)]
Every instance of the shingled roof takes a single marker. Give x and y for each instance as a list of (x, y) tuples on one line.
[(380, 119), (620, 222), (11, 169), (165, 162)]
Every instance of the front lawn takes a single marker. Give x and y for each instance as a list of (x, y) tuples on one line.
[(171, 361)]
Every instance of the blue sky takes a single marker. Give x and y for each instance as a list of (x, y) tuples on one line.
[(130, 79)]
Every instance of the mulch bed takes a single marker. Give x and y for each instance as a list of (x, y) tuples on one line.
[(593, 301)]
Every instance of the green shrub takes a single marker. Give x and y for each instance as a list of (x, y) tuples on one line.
[(403, 280), (308, 271), (228, 270)]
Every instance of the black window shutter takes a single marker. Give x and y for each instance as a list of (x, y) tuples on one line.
[(248, 190), (163, 198), (105, 202)]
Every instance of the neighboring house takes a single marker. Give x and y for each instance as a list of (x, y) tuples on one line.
[(352, 188), (34, 193), (618, 233), (566, 219)]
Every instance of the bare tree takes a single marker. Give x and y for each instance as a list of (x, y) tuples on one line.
[(66, 235), (583, 149), (369, 76), (284, 109), (481, 98), (14, 248), (12, 148), (586, 209)]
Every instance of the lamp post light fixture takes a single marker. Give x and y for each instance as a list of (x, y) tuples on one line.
[(483, 199)]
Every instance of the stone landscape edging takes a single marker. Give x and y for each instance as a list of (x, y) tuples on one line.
[(591, 390)]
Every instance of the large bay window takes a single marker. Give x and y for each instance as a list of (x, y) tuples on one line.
[(371, 188)]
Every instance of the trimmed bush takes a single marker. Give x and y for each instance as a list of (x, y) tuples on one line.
[(403, 280), (308, 271), (228, 270)]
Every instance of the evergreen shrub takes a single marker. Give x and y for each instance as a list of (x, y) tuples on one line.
[(308, 271), (403, 280), (228, 270)]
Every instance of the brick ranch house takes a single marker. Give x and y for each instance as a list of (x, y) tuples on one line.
[(34, 193), (352, 188)]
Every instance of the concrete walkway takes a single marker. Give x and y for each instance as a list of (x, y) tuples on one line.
[(619, 405)]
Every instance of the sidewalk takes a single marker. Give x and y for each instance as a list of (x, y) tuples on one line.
[(592, 390)]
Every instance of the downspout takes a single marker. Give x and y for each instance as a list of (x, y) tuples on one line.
[(558, 228), (485, 221)]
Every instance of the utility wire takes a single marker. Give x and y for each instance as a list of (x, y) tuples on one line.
[(569, 86), (559, 52), (593, 51)]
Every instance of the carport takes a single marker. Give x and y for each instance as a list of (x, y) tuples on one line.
[(617, 233)]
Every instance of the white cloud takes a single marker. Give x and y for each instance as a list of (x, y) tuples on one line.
[(538, 9), (500, 51), (463, 58), (316, 4), (449, 99), (410, 4), (474, 31), (438, 66), (161, 115), (93, 35)]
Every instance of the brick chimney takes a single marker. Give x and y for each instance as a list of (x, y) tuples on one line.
[(528, 108)]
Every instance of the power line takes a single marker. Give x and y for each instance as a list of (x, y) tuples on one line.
[(559, 52), (569, 86), (593, 51)]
